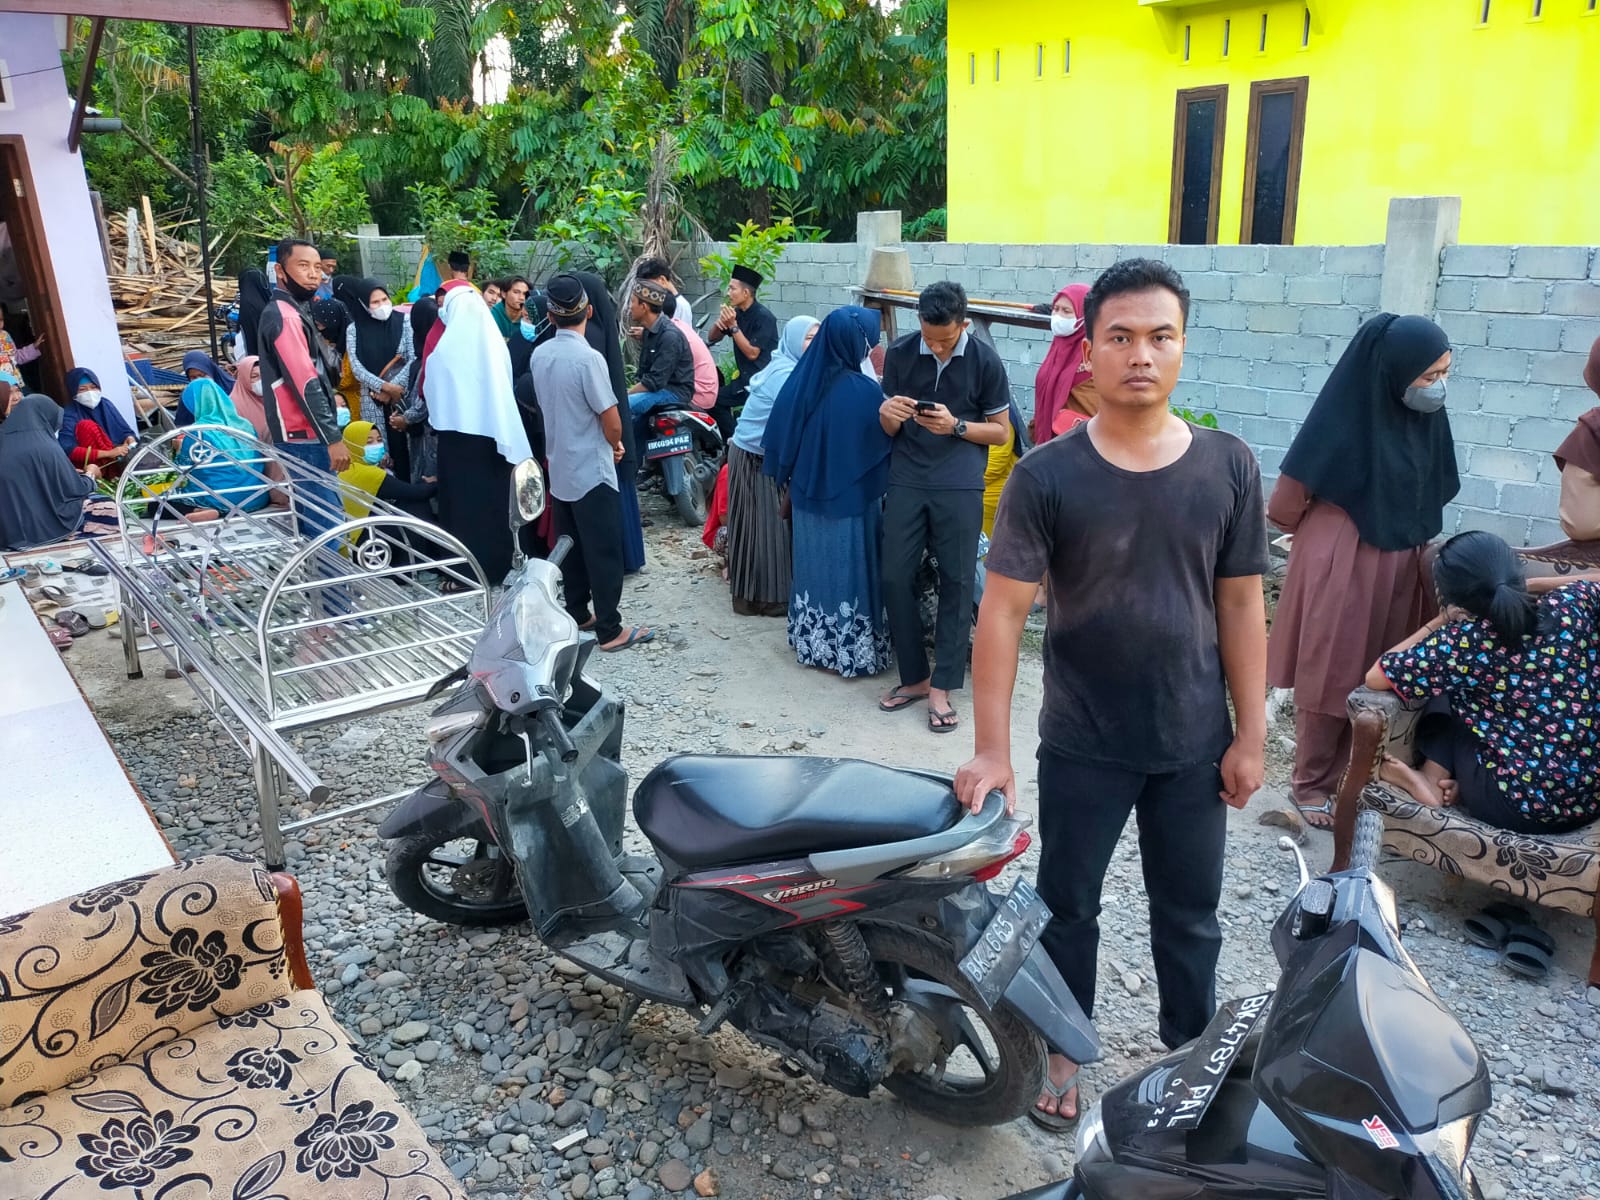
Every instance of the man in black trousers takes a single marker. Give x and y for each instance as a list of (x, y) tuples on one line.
[(947, 402)]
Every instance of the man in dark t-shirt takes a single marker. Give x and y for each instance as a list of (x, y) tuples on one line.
[(1152, 535), (754, 333)]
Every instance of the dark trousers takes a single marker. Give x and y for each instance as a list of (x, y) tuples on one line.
[(592, 570), (1183, 826), (947, 523)]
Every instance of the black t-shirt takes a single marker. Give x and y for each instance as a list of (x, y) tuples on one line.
[(972, 386), (1132, 673), (760, 328)]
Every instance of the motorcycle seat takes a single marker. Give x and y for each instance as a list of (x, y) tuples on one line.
[(717, 810)]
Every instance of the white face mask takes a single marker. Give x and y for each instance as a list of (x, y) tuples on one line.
[(91, 398), (1063, 325), (382, 311), (255, 385)]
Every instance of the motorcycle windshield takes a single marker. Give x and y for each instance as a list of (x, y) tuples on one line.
[(1366, 1049)]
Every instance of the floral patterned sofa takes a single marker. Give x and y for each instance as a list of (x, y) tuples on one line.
[(1560, 871), (160, 1037)]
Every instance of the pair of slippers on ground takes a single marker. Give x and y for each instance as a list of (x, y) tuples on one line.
[(70, 624), (30, 575), (1509, 930)]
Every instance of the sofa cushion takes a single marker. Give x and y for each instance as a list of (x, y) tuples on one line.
[(117, 970), (271, 1102), (1558, 871)]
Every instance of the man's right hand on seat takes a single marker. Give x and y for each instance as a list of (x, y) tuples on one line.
[(984, 773)]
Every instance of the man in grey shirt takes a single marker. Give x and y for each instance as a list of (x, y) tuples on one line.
[(583, 441)]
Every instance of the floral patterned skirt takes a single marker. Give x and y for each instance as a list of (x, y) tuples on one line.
[(836, 615)]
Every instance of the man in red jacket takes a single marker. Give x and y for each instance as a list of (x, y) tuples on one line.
[(297, 396)]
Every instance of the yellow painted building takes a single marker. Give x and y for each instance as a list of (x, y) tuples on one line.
[(1210, 120)]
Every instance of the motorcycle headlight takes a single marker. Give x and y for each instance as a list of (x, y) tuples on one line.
[(541, 625), (1091, 1144), (444, 726)]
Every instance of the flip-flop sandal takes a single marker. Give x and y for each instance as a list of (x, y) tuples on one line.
[(1490, 926), (1307, 811), (95, 570), (586, 626), (636, 637), (73, 621), (49, 567), (11, 573), (906, 700), (943, 720), (53, 594), (60, 639), (1055, 1122), (1528, 951)]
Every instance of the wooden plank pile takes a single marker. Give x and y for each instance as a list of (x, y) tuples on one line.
[(158, 290)]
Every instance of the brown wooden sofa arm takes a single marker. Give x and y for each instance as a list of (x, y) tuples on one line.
[(1381, 723), (291, 911)]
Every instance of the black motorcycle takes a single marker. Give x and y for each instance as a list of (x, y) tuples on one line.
[(1352, 1080), (685, 445), (833, 910)]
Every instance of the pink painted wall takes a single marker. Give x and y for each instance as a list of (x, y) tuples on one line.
[(37, 107)]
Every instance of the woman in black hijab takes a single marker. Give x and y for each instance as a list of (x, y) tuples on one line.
[(410, 416), (1362, 489), (605, 335), (255, 293), (379, 354)]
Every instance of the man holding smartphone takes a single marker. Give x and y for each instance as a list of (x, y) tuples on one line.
[(948, 400)]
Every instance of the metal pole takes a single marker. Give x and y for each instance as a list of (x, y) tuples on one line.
[(198, 152)]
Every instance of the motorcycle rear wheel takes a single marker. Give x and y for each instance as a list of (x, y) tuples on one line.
[(455, 880), (691, 498), (1008, 1055)]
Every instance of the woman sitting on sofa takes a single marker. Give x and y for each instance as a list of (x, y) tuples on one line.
[(1511, 725)]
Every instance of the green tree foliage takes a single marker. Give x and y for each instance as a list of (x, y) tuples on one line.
[(804, 110)]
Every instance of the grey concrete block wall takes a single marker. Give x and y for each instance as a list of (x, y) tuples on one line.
[(1267, 324)]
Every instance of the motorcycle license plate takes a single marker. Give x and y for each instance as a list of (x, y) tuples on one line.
[(1190, 1092), (1009, 938), (678, 443)]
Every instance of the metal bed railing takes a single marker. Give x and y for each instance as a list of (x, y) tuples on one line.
[(286, 598)]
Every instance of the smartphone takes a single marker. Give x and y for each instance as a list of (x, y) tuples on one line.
[(926, 406)]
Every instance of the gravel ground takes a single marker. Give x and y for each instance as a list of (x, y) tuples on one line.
[(502, 1051)]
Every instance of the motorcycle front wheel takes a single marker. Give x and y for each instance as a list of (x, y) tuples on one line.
[(993, 1061), (457, 880)]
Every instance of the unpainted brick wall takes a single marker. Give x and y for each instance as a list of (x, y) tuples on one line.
[(1267, 324)]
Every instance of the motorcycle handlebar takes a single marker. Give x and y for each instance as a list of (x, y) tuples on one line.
[(550, 718), (559, 552)]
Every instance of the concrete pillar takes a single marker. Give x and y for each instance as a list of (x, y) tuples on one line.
[(1420, 227), (874, 229)]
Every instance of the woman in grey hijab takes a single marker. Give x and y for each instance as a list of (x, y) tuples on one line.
[(43, 500)]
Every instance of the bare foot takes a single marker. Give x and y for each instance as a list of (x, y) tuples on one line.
[(1410, 780), (1449, 792), (1061, 1071)]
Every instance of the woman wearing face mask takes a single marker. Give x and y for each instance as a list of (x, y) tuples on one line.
[(93, 432), (1063, 391), (533, 329), (332, 320), (1362, 489), (379, 354)]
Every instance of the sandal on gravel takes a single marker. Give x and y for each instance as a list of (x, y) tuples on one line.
[(900, 698), (1490, 925), (1055, 1122), (637, 636), (942, 720), (1310, 813), (1528, 951), (60, 638)]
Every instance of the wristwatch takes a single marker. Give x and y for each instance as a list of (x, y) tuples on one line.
[(960, 431)]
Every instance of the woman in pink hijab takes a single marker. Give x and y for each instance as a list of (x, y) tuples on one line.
[(246, 395), (1063, 391)]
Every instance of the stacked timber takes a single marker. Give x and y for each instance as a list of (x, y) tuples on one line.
[(158, 290)]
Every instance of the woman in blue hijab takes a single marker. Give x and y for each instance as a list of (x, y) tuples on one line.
[(197, 364), (824, 442), (93, 432), (759, 572), (227, 466)]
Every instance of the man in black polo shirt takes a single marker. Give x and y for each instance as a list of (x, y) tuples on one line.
[(948, 401), (754, 331), (666, 366)]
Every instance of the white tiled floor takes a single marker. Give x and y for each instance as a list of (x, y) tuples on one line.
[(69, 817)]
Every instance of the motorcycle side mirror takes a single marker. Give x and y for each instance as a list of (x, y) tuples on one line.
[(527, 492)]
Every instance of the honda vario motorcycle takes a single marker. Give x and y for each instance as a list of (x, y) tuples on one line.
[(1351, 1080), (832, 910), (685, 445)]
